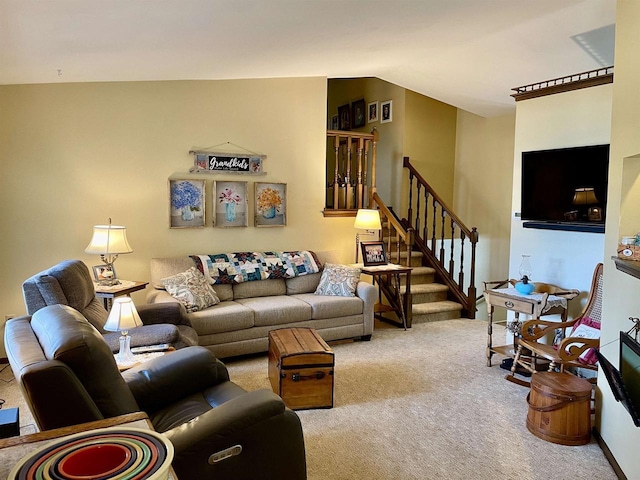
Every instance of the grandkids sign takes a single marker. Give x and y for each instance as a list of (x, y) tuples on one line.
[(211, 162)]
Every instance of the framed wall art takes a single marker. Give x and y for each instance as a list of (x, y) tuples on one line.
[(373, 253), (344, 117), (230, 200), (372, 112), (211, 162), (186, 203), (386, 111), (359, 113), (271, 204)]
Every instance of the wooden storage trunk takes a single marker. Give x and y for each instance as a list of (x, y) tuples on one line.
[(301, 368)]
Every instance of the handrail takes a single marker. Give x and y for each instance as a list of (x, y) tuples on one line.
[(350, 189), (437, 240)]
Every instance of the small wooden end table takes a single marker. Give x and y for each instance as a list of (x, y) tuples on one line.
[(391, 273), (125, 288)]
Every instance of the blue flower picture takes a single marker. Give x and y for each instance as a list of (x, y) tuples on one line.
[(187, 202)]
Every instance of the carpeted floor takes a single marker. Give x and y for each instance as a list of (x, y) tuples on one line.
[(416, 404), (422, 404)]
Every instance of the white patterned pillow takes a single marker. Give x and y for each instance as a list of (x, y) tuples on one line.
[(338, 280), (191, 289)]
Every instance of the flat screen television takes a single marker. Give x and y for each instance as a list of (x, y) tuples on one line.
[(550, 179), (625, 383)]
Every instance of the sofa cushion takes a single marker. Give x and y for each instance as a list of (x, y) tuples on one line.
[(191, 289), (224, 292), (338, 280), (277, 310), (262, 288), (323, 306), (304, 284), (166, 267), (223, 317)]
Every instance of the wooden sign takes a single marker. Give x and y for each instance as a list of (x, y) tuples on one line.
[(211, 162)]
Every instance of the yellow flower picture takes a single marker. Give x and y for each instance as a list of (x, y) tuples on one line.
[(270, 204)]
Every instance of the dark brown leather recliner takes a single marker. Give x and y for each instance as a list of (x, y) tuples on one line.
[(68, 376)]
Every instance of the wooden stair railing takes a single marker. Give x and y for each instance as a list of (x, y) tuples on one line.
[(350, 189), (438, 234)]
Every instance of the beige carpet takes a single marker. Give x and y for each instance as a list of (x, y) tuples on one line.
[(419, 404), (422, 404)]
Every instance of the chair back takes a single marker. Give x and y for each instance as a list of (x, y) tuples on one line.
[(593, 308), (65, 369), (67, 283)]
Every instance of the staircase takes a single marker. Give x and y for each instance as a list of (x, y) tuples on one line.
[(430, 301)]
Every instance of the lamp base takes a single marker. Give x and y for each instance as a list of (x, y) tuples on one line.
[(124, 357)]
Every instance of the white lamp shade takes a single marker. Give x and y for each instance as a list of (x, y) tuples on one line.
[(109, 239), (123, 315), (368, 220)]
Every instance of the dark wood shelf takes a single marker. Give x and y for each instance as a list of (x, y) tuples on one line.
[(630, 267)]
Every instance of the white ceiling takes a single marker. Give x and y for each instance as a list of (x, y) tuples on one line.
[(468, 53)]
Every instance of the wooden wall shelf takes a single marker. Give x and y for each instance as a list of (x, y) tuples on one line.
[(630, 267)]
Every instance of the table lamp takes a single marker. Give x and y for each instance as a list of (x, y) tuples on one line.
[(584, 196), (109, 241), (368, 220), (122, 318)]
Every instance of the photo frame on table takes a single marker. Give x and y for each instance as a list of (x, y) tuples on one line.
[(344, 117), (386, 111), (359, 113), (270, 204), (373, 253), (103, 272), (230, 200), (186, 203), (595, 214), (372, 112)]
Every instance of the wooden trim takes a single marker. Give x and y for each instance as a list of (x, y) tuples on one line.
[(592, 78), (608, 454), (340, 212)]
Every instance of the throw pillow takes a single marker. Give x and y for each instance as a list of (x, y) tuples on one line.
[(586, 328), (338, 280), (191, 289)]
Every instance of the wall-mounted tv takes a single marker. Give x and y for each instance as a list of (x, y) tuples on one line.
[(566, 185)]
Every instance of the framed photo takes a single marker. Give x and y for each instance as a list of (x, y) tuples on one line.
[(334, 122), (373, 253), (230, 200), (186, 203), (103, 272), (359, 113), (344, 117), (270, 204), (372, 112), (386, 114)]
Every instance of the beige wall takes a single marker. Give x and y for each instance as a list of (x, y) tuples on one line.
[(621, 299), (73, 155), (430, 141), (483, 189), (389, 164)]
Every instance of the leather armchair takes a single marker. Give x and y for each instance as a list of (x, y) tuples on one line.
[(68, 375), (69, 283)]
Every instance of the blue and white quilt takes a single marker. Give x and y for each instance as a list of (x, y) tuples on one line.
[(238, 267)]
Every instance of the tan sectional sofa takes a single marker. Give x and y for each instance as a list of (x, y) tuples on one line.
[(247, 311)]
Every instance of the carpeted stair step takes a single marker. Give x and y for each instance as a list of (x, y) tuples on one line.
[(427, 292), (436, 311), (416, 258), (420, 275)]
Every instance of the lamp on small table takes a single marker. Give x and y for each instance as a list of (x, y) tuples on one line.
[(109, 241), (368, 220), (122, 318), (585, 198)]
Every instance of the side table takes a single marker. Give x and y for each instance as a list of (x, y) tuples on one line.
[(535, 305), (125, 288), (15, 448), (388, 278)]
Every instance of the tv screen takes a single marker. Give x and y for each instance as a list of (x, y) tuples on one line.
[(565, 185), (630, 372)]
